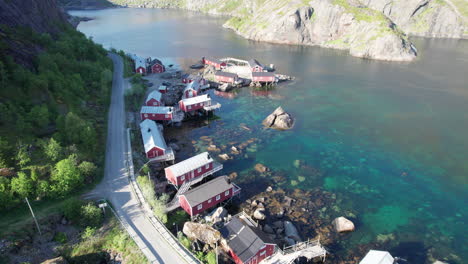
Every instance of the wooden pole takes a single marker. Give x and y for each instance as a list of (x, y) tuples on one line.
[(34, 217)]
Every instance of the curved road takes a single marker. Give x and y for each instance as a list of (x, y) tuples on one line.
[(115, 186)]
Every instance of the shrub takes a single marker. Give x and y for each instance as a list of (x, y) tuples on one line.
[(90, 215), (60, 237), (89, 232), (72, 209)]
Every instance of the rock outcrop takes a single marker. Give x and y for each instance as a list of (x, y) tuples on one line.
[(341, 224), (58, 260), (201, 232), (279, 119), (291, 231)]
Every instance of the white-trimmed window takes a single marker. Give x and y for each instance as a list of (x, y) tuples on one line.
[(155, 103), (264, 246), (146, 115), (262, 253), (226, 192), (207, 166), (200, 206), (189, 107), (209, 200), (167, 116), (182, 177), (218, 197), (199, 170)]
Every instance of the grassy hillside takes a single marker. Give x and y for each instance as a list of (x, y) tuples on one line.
[(52, 117)]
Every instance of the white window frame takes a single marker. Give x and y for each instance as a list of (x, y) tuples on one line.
[(263, 253), (166, 115), (226, 192), (218, 197), (200, 206), (146, 115), (264, 246), (207, 166), (182, 178), (189, 107), (199, 170), (209, 200)]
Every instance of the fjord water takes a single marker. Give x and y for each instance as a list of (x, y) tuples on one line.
[(389, 139)]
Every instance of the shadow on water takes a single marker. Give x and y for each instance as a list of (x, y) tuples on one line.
[(412, 252)]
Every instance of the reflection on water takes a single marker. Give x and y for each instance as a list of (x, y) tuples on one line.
[(390, 139)]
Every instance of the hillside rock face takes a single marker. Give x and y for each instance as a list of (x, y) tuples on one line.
[(42, 16), (428, 18)]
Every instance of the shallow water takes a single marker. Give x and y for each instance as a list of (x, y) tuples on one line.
[(390, 139)]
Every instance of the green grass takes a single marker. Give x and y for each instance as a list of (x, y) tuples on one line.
[(462, 6), (230, 6), (15, 220), (361, 13), (110, 237)]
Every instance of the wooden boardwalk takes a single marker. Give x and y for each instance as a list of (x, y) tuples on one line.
[(307, 249)]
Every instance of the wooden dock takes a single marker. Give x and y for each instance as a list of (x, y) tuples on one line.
[(309, 249)]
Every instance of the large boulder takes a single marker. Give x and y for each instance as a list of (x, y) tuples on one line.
[(201, 232), (342, 224), (259, 214), (291, 231), (217, 215), (279, 119)]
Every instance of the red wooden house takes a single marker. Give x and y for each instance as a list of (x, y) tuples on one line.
[(140, 66), (255, 66), (247, 243), (192, 89), (153, 139), (162, 89), (194, 103), (215, 63), (226, 77), (208, 195), (196, 167), (154, 99), (188, 78), (156, 66), (157, 113), (263, 77)]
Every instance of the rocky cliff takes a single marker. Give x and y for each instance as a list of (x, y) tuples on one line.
[(19, 16), (339, 24)]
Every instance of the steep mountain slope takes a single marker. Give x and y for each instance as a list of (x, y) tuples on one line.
[(340, 24), (21, 16)]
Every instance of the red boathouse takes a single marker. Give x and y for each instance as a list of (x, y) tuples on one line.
[(255, 66), (157, 113), (153, 139), (226, 77), (192, 89), (162, 89), (215, 63), (154, 99), (263, 77), (247, 243), (156, 66), (208, 195), (195, 103), (196, 167)]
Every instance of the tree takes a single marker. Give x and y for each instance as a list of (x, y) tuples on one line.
[(91, 215), (22, 185), (66, 176), (72, 209), (5, 153), (87, 169), (39, 116), (53, 150), (5, 192), (43, 189), (22, 155)]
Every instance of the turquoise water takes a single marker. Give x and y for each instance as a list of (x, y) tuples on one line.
[(389, 139)]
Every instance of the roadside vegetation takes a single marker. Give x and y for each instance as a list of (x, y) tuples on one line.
[(158, 204), (52, 118), (134, 96)]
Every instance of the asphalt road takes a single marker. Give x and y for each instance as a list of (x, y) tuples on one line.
[(115, 186)]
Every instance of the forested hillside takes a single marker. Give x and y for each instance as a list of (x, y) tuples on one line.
[(52, 114)]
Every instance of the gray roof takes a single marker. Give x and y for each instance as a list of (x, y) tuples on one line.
[(190, 164), (155, 61), (196, 99), (254, 62), (262, 74), (226, 74), (154, 95), (194, 85), (208, 190), (152, 136), (244, 239), (156, 110), (213, 60)]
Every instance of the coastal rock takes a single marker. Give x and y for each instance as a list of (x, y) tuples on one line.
[(291, 231), (267, 229), (261, 168), (224, 156), (174, 146), (259, 214), (289, 241), (217, 215), (201, 232), (341, 224), (279, 119), (269, 189), (439, 262)]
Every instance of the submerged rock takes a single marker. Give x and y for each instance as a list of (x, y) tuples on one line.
[(259, 214), (342, 224), (261, 168), (279, 119), (291, 231), (201, 232)]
